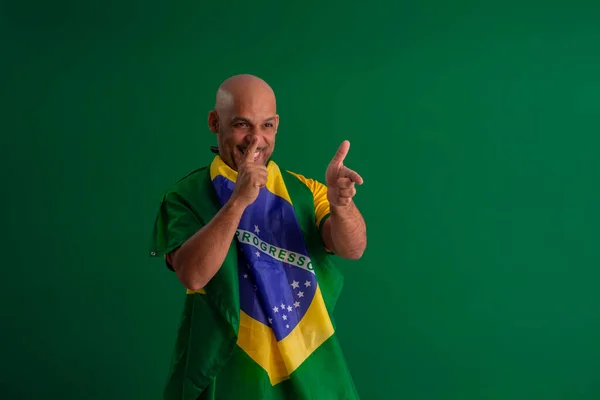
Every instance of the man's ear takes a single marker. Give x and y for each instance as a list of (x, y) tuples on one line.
[(276, 123), (213, 121)]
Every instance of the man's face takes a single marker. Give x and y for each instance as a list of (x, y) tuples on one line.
[(236, 128)]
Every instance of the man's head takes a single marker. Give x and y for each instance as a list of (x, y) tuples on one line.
[(245, 108)]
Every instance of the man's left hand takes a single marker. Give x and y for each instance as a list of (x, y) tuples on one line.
[(340, 179)]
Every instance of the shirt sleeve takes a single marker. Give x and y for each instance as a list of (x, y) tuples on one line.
[(174, 225), (319, 191)]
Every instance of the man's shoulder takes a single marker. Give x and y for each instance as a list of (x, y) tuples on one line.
[(313, 184), (191, 185)]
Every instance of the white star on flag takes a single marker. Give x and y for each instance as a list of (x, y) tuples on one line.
[(245, 276), (282, 306), (297, 304), (284, 317), (300, 294), (287, 326), (295, 284), (289, 308), (275, 309), (256, 230), (257, 253), (307, 283), (270, 321)]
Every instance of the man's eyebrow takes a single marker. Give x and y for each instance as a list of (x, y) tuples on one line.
[(236, 118), (241, 119)]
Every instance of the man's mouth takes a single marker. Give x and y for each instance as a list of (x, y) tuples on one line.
[(257, 153)]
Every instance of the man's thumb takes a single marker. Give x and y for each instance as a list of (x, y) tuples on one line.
[(341, 153)]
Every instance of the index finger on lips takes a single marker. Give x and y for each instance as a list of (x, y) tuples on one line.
[(249, 156)]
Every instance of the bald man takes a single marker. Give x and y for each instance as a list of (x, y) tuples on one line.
[(253, 245)]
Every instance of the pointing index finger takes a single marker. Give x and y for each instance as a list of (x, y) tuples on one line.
[(355, 177)]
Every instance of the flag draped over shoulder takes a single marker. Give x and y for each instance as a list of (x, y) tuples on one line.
[(262, 327)]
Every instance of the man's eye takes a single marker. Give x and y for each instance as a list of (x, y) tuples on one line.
[(269, 125), (240, 124)]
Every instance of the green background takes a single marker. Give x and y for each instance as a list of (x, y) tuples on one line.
[(475, 128)]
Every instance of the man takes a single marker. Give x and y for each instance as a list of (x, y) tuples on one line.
[(253, 245)]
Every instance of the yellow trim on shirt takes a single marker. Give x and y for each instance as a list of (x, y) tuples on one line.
[(319, 191)]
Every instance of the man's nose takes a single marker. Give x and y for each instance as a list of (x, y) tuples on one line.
[(251, 135)]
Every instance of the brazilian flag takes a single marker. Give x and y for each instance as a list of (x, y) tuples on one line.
[(262, 328)]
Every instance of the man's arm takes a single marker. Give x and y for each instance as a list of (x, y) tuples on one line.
[(201, 256), (345, 232)]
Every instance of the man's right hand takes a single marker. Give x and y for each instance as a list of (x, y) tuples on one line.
[(201, 256), (250, 178)]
